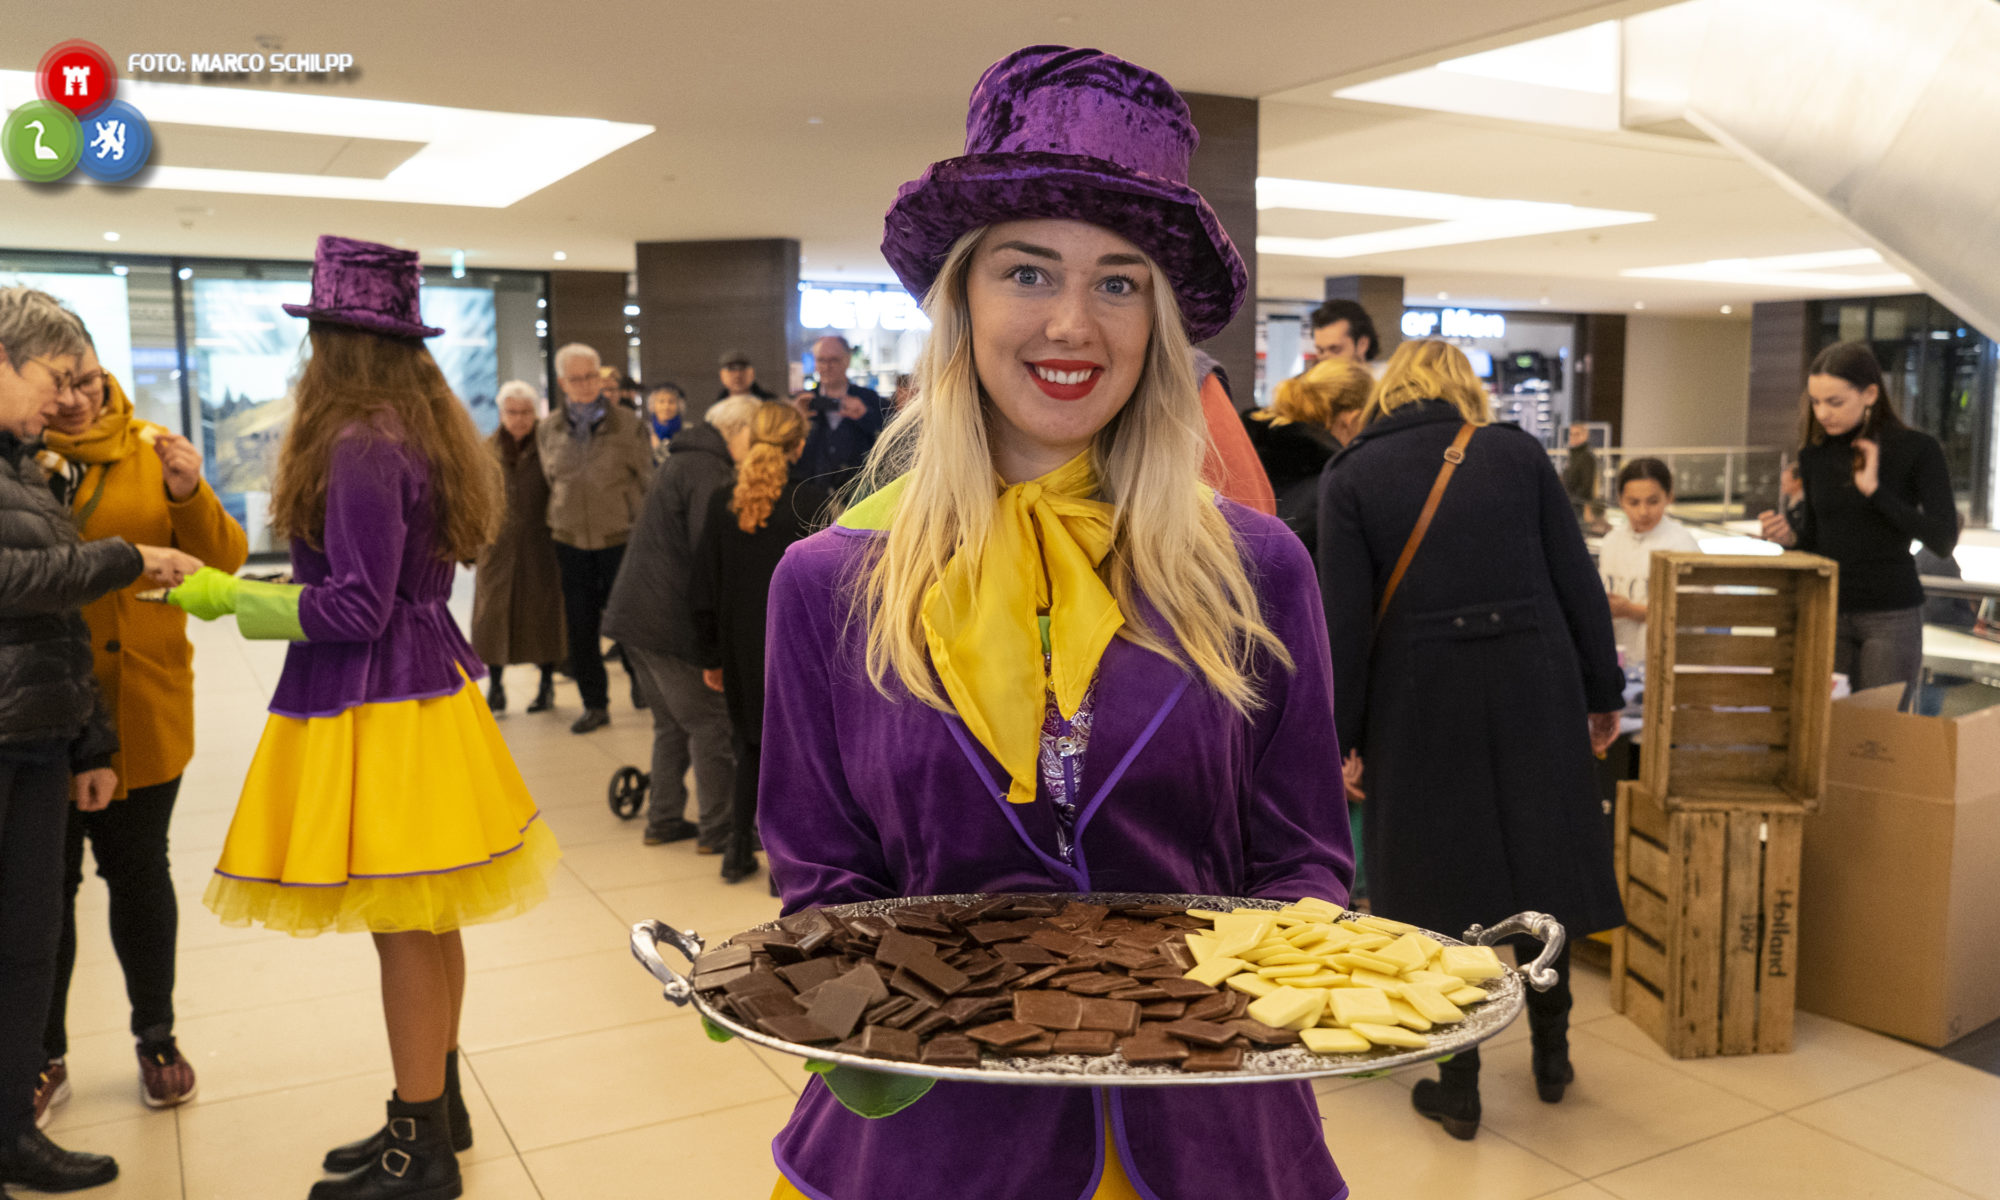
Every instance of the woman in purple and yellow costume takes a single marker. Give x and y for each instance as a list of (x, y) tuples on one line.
[(382, 796), (1041, 657)]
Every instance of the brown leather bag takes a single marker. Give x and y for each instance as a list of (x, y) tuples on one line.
[(1453, 455)]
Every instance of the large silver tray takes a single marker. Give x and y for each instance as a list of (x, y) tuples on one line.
[(1483, 1020)]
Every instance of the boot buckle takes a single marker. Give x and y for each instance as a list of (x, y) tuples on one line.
[(396, 1162), (403, 1129)]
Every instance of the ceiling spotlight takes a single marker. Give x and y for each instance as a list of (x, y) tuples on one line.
[(541, 303), (110, 236), (631, 310), (1726, 310), (814, 121), (187, 272), (121, 269), (1444, 295), (1545, 301), (1638, 304), (561, 257)]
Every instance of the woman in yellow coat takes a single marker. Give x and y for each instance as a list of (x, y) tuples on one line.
[(123, 477)]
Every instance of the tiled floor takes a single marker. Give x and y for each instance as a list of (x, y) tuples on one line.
[(585, 1085)]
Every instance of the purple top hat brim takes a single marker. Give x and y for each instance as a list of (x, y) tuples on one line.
[(1169, 221), (366, 319)]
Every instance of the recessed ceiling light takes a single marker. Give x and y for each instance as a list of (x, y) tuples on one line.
[(1545, 301), (1726, 310), (1442, 218), (187, 272), (1638, 304), (1806, 272), (541, 303), (1444, 295), (561, 257), (471, 157), (110, 235), (121, 269), (814, 121)]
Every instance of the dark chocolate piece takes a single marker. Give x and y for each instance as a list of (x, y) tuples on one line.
[(800, 1028), (1056, 941), (1036, 978), (811, 972), (931, 1023), (722, 958), (1129, 958), (1151, 1048), (988, 933), (1163, 1010), (866, 977), (1003, 1033), (759, 1005), (1118, 1016), (1177, 953), (943, 978), (811, 927), (908, 984), (1201, 1033), (884, 1009), (963, 1010), (1262, 1034), (1040, 1046), (951, 1050), (838, 1008), (898, 948), (882, 1042), (1183, 989), (1025, 953), (757, 981), (1219, 1007), (1229, 1058), (1049, 1010), (1086, 1041), (1103, 985), (1142, 994), (717, 980)]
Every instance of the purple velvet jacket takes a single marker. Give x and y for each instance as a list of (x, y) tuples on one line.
[(373, 609), (862, 797)]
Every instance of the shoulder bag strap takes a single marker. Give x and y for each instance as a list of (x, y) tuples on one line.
[(1453, 455)]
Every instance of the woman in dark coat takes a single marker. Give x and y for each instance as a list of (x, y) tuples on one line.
[(1468, 700), (747, 532), (1312, 415), (517, 613)]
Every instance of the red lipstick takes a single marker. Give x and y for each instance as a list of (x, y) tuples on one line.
[(1077, 390)]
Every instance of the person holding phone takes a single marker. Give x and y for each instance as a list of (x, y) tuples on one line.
[(57, 740), (1872, 485)]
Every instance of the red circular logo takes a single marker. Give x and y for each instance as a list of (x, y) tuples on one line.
[(77, 75)]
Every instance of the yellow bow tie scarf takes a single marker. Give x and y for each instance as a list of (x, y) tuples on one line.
[(981, 617)]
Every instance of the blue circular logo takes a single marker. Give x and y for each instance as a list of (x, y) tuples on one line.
[(116, 143)]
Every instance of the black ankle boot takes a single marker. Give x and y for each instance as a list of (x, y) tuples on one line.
[(545, 695), (1553, 1073), (496, 691), (356, 1155), (416, 1162), (1452, 1099), (33, 1161)]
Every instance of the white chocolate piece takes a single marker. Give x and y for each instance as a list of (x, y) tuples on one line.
[(1254, 986), (1384, 925), (1351, 1004), (1467, 996), (1215, 970), (1391, 1035), (1361, 960), (1410, 1018), (1445, 984), (1201, 946), (1406, 952), (1286, 972), (1327, 909), (1431, 1003), (1321, 979), (1289, 1008), (1363, 977), (1474, 964), (1334, 1041)]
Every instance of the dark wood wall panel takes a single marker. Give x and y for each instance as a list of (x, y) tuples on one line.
[(1224, 171), (587, 307), (700, 300), (1780, 351)]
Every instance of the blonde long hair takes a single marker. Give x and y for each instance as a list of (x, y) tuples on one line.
[(1320, 394), (776, 432), (1170, 542), (1429, 369)]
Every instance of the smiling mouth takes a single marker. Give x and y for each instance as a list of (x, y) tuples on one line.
[(1065, 380)]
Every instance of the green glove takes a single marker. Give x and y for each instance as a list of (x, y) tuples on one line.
[(870, 1094), (266, 611)]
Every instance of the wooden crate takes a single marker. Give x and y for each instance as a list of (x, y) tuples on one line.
[(1739, 680), (1708, 956)]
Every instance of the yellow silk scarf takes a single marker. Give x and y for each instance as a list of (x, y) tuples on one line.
[(981, 616)]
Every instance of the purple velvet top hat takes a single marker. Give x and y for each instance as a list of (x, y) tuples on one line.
[(368, 286), (1083, 135)]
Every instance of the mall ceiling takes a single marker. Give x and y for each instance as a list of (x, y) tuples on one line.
[(784, 119)]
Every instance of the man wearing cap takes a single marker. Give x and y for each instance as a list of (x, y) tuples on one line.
[(597, 462), (739, 378), (844, 419)]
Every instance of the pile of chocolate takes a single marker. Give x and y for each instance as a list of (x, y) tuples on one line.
[(939, 982)]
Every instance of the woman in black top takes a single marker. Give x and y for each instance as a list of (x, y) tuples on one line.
[(1312, 415), (747, 531), (1873, 485)]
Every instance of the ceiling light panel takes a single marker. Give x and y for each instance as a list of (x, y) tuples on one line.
[(470, 157), (1447, 219), (1821, 272)]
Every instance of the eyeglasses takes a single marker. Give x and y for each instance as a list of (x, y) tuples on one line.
[(590, 380), (64, 381)]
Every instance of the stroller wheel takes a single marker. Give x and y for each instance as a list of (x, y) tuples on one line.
[(628, 791)]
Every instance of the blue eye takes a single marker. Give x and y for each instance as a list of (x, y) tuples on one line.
[(1122, 285), (1026, 276)]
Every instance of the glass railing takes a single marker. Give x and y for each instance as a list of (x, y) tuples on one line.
[(1721, 483)]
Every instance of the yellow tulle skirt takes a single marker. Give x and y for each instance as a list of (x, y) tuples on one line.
[(1114, 1184), (390, 817)]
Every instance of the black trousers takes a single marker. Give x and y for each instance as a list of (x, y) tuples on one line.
[(34, 803), (129, 842), (742, 850), (587, 576)]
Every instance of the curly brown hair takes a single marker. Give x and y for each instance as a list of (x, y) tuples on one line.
[(777, 433), (393, 390)]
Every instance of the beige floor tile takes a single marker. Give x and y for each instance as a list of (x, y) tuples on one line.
[(1827, 1057), (257, 1147), (1579, 1191), (724, 1155), (510, 1006), (500, 1179), (626, 862), (789, 1069), (714, 910), (1939, 1119), (148, 1154), (1620, 1110), (285, 1045), (1775, 1159), (566, 1089), (103, 1082), (1385, 1149), (557, 928), (273, 968), (582, 824)]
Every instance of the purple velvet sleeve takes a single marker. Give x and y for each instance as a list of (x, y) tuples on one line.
[(830, 848), (366, 527), (1296, 826)]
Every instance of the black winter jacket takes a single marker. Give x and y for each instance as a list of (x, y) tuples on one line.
[(47, 574), (649, 606)]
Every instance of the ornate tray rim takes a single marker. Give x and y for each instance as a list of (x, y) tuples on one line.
[(1482, 1021)]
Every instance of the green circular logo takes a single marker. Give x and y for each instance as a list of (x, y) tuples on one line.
[(41, 141)]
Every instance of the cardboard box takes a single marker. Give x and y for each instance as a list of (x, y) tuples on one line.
[(1900, 886)]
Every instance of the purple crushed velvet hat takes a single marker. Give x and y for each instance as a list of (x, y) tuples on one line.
[(1082, 135), (368, 286)]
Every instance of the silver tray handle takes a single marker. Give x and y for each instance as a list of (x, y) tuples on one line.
[(646, 939), (1540, 926)]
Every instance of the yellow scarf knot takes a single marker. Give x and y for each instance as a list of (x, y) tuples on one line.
[(981, 617)]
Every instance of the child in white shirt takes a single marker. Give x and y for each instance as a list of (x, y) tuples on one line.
[(1625, 556)]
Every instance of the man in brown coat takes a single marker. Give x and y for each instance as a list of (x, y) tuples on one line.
[(597, 464)]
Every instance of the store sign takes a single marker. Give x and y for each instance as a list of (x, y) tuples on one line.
[(1453, 323), (848, 309)]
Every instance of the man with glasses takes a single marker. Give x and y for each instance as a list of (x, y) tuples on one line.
[(844, 417), (597, 461)]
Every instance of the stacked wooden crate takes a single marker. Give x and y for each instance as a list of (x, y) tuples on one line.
[(1739, 666)]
